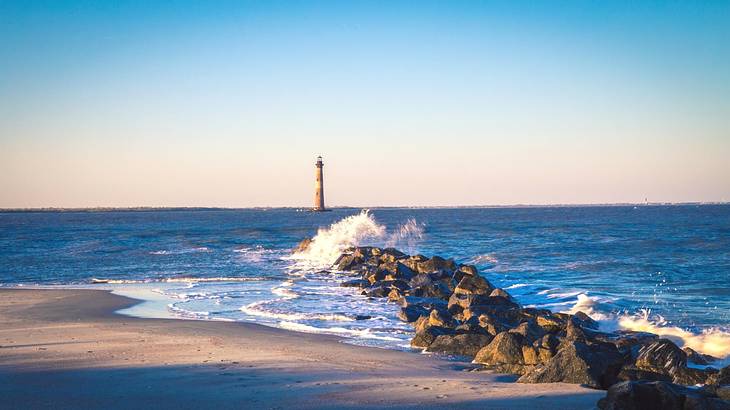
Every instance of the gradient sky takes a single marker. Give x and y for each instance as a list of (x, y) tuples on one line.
[(137, 103)]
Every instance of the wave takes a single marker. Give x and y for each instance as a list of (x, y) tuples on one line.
[(357, 230), (254, 254), (486, 258), (257, 309), (181, 251), (713, 341), (338, 331)]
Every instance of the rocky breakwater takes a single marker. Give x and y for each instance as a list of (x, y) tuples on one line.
[(455, 310)]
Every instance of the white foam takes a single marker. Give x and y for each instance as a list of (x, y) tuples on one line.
[(517, 285), (329, 243), (486, 258), (259, 309), (339, 331), (714, 341), (357, 230)]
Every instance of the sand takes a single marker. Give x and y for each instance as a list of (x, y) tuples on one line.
[(68, 349)]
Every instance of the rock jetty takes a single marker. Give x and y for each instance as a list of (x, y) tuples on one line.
[(455, 310)]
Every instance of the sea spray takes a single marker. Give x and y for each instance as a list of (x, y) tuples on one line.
[(712, 341), (357, 230)]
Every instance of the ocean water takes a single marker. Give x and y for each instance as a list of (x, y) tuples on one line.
[(664, 269)]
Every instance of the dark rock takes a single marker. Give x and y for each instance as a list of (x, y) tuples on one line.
[(467, 344), (397, 270), (720, 378), (658, 395), (412, 313), (420, 280), (698, 358), (474, 285), (428, 334), (363, 317), (468, 269), (529, 331), (504, 348), (428, 303), (664, 357), (436, 263), (584, 321), (550, 323), (441, 318), (575, 362), (391, 255), (355, 283)]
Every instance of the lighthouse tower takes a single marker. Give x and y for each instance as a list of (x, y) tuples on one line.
[(319, 186)]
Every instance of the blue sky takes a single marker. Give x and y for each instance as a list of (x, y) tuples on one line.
[(432, 103)]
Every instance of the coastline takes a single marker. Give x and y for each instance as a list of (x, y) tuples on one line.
[(67, 348)]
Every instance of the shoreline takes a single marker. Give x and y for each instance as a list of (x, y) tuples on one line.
[(72, 342)]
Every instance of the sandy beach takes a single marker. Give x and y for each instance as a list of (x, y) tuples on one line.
[(68, 349)]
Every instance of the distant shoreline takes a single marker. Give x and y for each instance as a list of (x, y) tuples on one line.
[(264, 208)]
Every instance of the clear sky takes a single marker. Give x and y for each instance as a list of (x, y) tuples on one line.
[(138, 103)]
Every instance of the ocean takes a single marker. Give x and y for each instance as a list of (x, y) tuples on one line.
[(664, 269)]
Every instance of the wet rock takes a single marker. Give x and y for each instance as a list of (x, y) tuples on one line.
[(363, 317), (441, 318), (434, 264), (412, 313), (576, 363), (550, 323), (420, 280), (303, 245), (723, 392), (658, 395), (467, 344), (392, 255), (355, 283), (426, 334), (529, 331), (468, 270), (664, 357), (377, 291), (584, 321), (473, 285), (505, 348), (397, 270), (720, 378), (698, 358)]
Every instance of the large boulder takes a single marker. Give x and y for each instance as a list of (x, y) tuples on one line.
[(575, 362), (666, 358), (474, 285), (434, 264), (465, 344), (658, 395), (412, 313), (505, 348)]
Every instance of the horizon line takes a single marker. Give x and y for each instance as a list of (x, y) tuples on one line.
[(226, 208)]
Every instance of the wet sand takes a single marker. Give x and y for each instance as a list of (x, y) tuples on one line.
[(68, 349)]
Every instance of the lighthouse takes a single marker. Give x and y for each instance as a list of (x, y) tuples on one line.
[(319, 186)]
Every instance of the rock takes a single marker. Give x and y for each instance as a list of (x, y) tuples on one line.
[(363, 317), (584, 321), (303, 245), (434, 264), (720, 378), (645, 395), (397, 270), (428, 303), (412, 313), (391, 255), (576, 363), (662, 355), (420, 280), (473, 285), (698, 358), (723, 392), (376, 291), (345, 262), (467, 344), (550, 323), (441, 318), (504, 348), (529, 331), (468, 270), (426, 335), (355, 283)]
